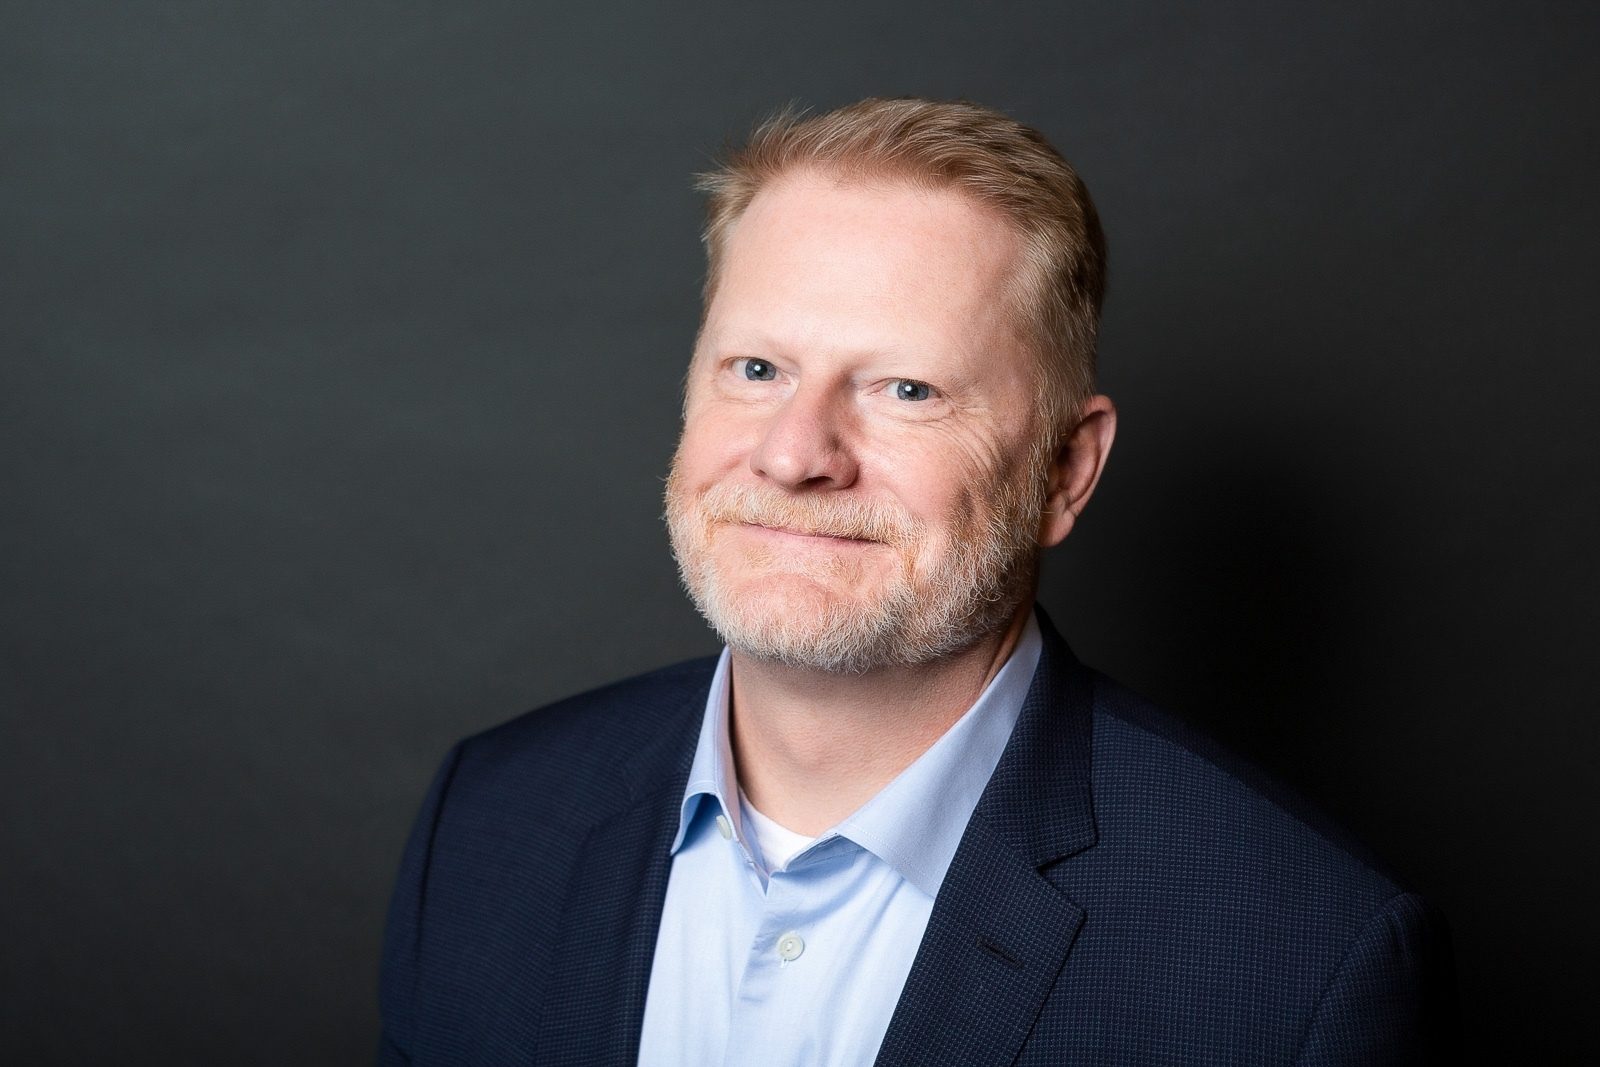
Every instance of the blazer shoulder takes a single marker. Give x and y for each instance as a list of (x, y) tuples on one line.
[(1155, 774), (578, 745), (1228, 913)]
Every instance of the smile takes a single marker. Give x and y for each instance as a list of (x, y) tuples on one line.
[(778, 533)]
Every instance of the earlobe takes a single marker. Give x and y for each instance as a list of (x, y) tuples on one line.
[(1055, 522), (1075, 470)]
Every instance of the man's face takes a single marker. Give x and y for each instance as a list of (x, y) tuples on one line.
[(856, 485)]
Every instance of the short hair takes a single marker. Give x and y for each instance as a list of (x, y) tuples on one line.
[(997, 162)]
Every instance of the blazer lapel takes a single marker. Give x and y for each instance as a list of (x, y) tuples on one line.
[(594, 1010), (1000, 932)]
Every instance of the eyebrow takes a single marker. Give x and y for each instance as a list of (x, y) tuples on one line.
[(757, 343)]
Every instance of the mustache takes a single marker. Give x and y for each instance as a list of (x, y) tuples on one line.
[(861, 520)]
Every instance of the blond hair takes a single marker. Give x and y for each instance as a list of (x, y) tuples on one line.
[(997, 162)]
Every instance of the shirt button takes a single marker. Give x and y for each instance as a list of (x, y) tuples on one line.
[(790, 946), (723, 828)]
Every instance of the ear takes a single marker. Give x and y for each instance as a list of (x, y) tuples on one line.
[(1075, 469)]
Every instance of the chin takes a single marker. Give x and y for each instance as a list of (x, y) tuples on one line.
[(797, 620), (788, 601), (800, 624)]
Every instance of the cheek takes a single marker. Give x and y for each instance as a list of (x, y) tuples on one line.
[(943, 483), (705, 452), (958, 496), (941, 501), (964, 515)]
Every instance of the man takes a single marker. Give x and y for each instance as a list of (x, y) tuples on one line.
[(895, 821)]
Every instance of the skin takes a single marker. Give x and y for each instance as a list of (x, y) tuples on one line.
[(842, 292)]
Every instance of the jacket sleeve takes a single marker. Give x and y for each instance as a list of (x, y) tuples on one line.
[(402, 939), (1392, 999)]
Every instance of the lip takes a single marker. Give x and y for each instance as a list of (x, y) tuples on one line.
[(778, 533)]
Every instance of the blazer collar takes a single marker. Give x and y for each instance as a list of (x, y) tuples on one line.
[(1000, 931), (664, 761), (601, 971), (1039, 799)]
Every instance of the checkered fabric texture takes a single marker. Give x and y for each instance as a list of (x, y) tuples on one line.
[(1125, 894)]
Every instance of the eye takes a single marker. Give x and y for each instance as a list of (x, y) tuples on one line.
[(759, 370), (906, 389)]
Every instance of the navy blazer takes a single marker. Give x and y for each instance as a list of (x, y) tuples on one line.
[(1123, 894)]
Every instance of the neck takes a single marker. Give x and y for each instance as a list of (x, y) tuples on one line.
[(811, 747)]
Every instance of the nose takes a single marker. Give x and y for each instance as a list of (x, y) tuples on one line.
[(804, 444)]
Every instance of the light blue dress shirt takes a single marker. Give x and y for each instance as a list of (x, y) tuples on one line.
[(803, 965)]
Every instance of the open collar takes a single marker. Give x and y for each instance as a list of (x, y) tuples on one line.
[(915, 822), (997, 938)]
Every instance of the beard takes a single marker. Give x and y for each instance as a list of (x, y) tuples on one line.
[(947, 588)]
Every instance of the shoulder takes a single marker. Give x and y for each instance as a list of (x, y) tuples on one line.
[(565, 751), (1216, 840), (474, 921), (1156, 774), (1209, 883)]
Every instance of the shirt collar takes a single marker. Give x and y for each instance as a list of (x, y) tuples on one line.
[(711, 773), (914, 823)]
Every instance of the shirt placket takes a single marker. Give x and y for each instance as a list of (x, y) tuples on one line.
[(787, 966)]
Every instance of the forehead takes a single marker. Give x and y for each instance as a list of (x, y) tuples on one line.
[(876, 262)]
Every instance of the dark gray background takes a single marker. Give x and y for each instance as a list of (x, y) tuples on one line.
[(341, 346)]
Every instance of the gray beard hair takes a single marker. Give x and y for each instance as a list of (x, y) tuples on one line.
[(972, 591)]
